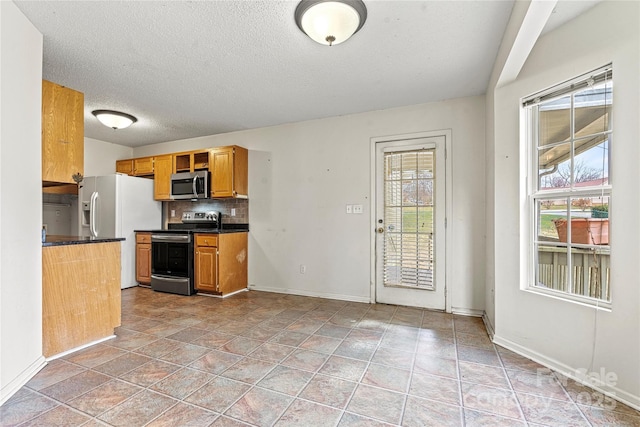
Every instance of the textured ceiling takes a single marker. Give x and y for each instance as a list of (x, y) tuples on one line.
[(196, 68)]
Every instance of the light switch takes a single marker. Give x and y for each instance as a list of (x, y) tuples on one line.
[(349, 209), (357, 209)]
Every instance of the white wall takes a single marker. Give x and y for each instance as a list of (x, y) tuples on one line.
[(20, 223), (302, 175), (504, 64), (555, 332), (100, 156)]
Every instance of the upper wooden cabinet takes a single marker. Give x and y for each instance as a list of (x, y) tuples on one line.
[(229, 171), (124, 166), (143, 166), (229, 167), (62, 134), (191, 161), (163, 168)]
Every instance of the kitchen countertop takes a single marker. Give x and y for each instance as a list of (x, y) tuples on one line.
[(226, 228), (60, 240)]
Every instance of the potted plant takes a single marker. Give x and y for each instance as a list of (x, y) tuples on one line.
[(587, 231)]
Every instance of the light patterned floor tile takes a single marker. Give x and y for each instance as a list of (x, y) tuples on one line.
[(259, 407), (295, 360), (304, 413)]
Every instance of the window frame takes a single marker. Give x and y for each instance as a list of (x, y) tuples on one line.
[(531, 115)]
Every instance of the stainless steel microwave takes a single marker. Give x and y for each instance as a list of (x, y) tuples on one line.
[(190, 185)]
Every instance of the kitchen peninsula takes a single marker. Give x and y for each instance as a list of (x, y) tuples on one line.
[(80, 291)]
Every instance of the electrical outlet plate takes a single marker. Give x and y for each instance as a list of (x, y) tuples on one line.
[(357, 209), (303, 268), (233, 211)]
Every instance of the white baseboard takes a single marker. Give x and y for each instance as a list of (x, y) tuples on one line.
[(310, 294), (12, 387), (471, 312), (82, 347), (222, 296), (609, 390), (488, 325)]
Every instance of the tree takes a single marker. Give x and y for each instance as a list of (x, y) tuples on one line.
[(582, 173), (582, 203)]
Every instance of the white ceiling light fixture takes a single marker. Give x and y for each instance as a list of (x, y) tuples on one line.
[(114, 119), (330, 22)]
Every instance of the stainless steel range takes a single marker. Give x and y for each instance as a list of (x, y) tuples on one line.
[(172, 252)]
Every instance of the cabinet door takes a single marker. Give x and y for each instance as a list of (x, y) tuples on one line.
[(62, 133), (221, 166), (124, 166), (206, 269), (143, 263), (162, 177), (143, 166), (232, 262)]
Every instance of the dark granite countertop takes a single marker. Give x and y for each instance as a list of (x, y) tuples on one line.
[(195, 230), (226, 228), (59, 240)]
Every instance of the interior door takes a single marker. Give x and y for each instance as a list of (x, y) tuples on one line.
[(410, 222)]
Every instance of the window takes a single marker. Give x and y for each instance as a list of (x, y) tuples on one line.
[(570, 136)]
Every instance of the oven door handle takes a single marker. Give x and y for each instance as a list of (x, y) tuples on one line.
[(168, 238), (170, 279)]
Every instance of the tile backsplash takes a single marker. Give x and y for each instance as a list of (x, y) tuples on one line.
[(241, 207)]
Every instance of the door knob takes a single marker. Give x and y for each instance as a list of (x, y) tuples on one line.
[(380, 230)]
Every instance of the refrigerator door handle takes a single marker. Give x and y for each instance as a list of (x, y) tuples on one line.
[(93, 227)]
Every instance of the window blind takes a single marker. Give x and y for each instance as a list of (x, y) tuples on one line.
[(574, 85)]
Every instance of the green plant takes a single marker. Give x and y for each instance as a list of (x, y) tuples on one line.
[(600, 211)]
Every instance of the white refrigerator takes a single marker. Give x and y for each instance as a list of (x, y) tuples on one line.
[(114, 206)]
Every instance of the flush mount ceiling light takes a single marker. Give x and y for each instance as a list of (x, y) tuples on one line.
[(114, 119), (330, 22)]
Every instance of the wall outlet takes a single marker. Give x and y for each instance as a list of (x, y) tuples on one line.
[(349, 209), (357, 209), (233, 211), (173, 213), (303, 268)]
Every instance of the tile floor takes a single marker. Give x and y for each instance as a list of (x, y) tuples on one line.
[(269, 359)]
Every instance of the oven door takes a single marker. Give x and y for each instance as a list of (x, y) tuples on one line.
[(172, 263)]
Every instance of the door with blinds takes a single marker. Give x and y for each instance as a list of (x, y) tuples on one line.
[(410, 222)]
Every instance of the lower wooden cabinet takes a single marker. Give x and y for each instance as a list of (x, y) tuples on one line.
[(143, 258), (205, 264), (80, 295), (220, 264)]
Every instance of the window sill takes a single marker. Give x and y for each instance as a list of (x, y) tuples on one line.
[(574, 299)]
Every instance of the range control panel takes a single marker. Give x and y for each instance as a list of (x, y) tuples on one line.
[(208, 217)]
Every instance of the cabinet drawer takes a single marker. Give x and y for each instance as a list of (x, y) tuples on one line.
[(206, 240), (143, 237)]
